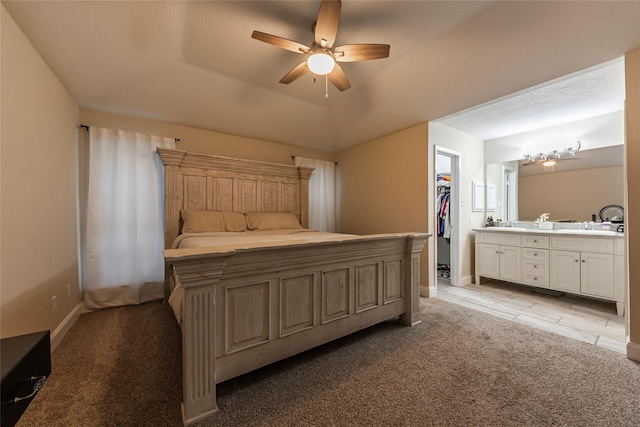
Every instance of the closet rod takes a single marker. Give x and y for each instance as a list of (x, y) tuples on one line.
[(86, 127)]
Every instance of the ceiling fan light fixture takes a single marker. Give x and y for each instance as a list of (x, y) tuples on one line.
[(321, 63)]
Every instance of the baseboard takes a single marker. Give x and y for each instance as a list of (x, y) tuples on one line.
[(428, 291), (466, 280), (633, 351), (65, 326)]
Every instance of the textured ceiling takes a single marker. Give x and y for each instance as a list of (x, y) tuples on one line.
[(195, 64), (593, 92)]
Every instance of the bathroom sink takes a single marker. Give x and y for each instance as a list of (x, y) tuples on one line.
[(590, 232)]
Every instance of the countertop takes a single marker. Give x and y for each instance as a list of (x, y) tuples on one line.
[(569, 232)]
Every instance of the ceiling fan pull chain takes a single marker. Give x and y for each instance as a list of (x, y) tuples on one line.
[(326, 86)]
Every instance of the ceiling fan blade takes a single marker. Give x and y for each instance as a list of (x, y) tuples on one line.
[(339, 78), (361, 52), (327, 22), (280, 42), (295, 73)]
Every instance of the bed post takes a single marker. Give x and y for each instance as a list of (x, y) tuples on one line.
[(171, 159), (199, 274), (305, 174), (415, 244)]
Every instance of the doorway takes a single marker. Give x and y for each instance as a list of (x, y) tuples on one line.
[(510, 194), (447, 216)]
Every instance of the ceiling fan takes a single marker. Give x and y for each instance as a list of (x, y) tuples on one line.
[(550, 158), (321, 56)]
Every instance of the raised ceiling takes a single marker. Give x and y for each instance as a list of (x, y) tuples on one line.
[(195, 64)]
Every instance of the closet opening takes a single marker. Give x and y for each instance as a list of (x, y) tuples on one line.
[(447, 213)]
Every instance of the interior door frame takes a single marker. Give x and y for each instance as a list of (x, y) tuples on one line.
[(509, 194), (455, 268)]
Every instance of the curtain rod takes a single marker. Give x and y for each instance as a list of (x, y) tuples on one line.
[(86, 127), (294, 157)]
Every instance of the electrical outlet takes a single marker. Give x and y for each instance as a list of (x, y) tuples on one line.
[(54, 304), (68, 290)]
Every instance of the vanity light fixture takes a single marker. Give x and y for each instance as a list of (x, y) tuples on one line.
[(549, 159)]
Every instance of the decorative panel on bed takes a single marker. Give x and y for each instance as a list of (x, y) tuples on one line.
[(205, 182)]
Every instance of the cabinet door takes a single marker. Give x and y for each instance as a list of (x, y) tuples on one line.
[(510, 263), (597, 275), (488, 260), (565, 271)]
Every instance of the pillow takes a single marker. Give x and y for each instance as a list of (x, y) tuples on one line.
[(234, 221), (271, 221), (201, 221)]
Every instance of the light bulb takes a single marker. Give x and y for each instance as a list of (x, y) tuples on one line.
[(549, 162), (320, 63)]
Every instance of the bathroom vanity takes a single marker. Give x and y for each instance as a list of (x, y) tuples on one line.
[(580, 262)]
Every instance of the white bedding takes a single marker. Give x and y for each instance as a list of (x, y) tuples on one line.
[(240, 240)]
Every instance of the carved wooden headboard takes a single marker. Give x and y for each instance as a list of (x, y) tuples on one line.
[(205, 182)]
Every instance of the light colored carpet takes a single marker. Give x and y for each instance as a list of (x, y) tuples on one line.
[(459, 367)]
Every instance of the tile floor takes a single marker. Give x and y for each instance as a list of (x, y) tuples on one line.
[(591, 321)]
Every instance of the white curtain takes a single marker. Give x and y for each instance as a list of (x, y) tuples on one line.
[(124, 228), (322, 199)]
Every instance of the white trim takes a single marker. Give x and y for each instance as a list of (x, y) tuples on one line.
[(428, 291), (465, 280), (65, 326), (633, 351)]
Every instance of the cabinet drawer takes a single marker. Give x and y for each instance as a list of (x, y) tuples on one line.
[(535, 254), (498, 237), (536, 268), (587, 244), (535, 241), (533, 280)]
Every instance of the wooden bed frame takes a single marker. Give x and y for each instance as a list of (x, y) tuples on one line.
[(246, 308)]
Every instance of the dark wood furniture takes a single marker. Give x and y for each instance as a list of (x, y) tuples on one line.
[(26, 364)]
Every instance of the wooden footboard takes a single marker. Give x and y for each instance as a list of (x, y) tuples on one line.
[(246, 308)]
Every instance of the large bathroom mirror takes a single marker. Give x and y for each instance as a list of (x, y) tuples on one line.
[(573, 190)]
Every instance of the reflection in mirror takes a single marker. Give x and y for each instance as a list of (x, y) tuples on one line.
[(573, 191), (503, 178)]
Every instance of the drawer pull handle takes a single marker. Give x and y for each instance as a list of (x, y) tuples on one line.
[(535, 254), (36, 383)]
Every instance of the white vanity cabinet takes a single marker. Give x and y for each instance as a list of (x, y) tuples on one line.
[(499, 257), (583, 265), (579, 264), (500, 262)]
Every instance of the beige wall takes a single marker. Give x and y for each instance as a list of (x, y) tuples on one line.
[(39, 220), (383, 186), (471, 151), (204, 141), (570, 195), (632, 226)]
